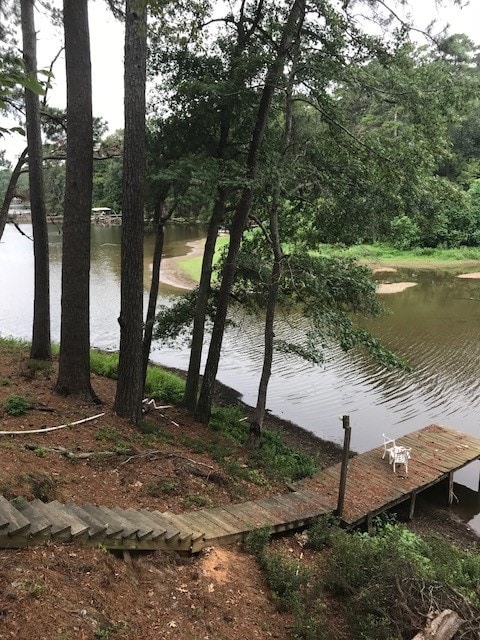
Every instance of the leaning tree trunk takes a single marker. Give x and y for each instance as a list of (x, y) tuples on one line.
[(246, 29), (74, 362), (242, 211), (10, 192), (41, 346), (276, 275), (198, 332), (159, 226), (128, 399)]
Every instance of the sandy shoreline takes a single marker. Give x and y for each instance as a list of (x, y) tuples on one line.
[(171, 272)]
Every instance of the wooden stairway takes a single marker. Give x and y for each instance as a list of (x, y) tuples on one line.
[(24, 523)]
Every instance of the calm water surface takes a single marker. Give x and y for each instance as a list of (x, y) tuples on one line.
[(435, 326)]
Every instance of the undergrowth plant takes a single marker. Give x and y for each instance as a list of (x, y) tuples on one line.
[(273, 455), (387, 583), (16, 405)]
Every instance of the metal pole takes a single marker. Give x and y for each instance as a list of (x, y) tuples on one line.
[(343, 473)]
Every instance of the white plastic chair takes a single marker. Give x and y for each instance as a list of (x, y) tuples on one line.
[(400, 455), (387, 441)]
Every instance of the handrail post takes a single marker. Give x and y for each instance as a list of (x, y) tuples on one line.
[(343, 473)]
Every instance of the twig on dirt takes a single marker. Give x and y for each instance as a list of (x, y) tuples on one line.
[(39, 407), (69, 454), (154, 452), (47, 429), (145, 454), (151, 401)]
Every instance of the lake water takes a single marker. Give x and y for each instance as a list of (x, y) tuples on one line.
[(434, 325)]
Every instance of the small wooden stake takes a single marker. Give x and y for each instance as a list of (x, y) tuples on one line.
[(343, 473)]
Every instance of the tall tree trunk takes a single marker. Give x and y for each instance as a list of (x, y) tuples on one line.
[(159, 226), (128, 399), (295, 18), (74, 364), (245, 30), (10, 192), (198, 332), (269, 335), (41, 347)]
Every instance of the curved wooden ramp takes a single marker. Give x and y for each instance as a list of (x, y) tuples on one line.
[(24, 523)]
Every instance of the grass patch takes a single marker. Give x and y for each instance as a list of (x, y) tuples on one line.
[(103, 363), (192, 267), (387, 253), (197, 500), (164, 385)]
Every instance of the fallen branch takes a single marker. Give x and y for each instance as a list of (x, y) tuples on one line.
[(69, 454), (443, 627), (156, 452), (39, 407), (62, 426)]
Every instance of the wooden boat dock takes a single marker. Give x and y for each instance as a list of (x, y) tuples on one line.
[(437, 452)]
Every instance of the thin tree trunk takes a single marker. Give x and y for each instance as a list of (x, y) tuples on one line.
[(10, 192), (128, 399), (269, 335), (74, 362), (204, 404), (159, 225), (41, 347), (244, 33), (198, 332)]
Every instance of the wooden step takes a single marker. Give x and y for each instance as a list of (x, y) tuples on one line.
[(4, 521), (128, 529), (40, 527), (16, 522), (158, 530), (145, 528), (96, 528), (65, 526), (171, 532), (114, 527), (187, 531)]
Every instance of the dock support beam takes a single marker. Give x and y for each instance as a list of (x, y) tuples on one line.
[(343, 473), (413, 499), (450, 488)]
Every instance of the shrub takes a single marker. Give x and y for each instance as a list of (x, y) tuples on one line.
[(16, 405), (320, 532), (405, 232)]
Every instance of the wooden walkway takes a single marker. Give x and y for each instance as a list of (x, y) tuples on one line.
[(371, 488)]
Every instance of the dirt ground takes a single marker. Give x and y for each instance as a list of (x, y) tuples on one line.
[(67, 591)]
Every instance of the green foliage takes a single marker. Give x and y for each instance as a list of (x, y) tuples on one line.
[(366, 569), (164, 385), (405, 233), (256, 541), (103, 363), (17, 405), (286, 577), (273, 455), (320, 532), (160, 489), (197, 500)]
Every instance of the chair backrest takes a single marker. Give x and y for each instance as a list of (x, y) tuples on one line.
[(387, 440)]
